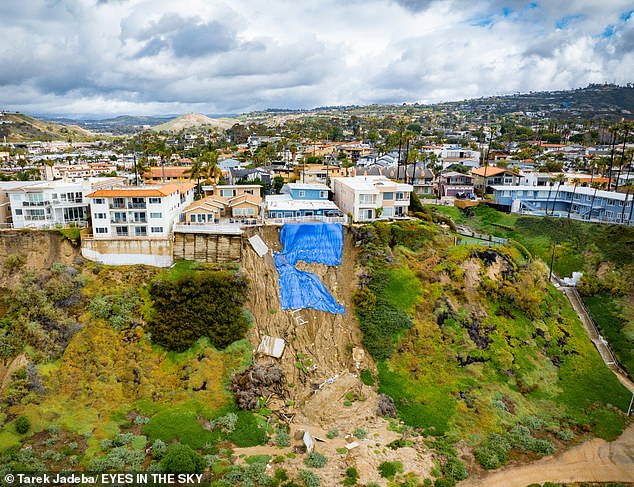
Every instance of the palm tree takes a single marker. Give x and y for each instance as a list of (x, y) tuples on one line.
[(626, 127), (195, 171), (551, 182), (559, 179), (596, 186), (614, 129), (629, 185), (576, 182)]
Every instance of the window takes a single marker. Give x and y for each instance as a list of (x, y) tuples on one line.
[(119, 217), (118, 203), (140, 231), (366, 199), (18, 212), (101, 230), (388, 196), (138, 202), (192, 218), (156, 215), (400, 196), (99, 201), (157, 229), (323, 194), (388, 212), (100, 216), (226, 193), (155, 201), (248, 191), (121, 231), (301, 193), (139, 217)]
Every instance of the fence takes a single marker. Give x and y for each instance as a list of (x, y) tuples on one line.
[(489, 240), (302, 219)]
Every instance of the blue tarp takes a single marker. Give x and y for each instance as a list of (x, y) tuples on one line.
[(310, 242), (299, 289)]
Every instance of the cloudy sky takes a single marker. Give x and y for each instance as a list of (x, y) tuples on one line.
[(149, 57)]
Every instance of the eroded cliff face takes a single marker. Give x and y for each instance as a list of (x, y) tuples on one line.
[(32, 250)]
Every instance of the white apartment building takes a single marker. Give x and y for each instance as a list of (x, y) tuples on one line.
[(367, 198), (138, 211), (42, 204)]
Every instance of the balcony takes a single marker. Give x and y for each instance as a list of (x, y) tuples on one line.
[(118, 220), (139, 220), (141, 206), (36, 203), (117, 206)]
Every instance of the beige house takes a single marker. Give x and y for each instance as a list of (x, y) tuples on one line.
[(231, 190), (212, 208), (367, 198)]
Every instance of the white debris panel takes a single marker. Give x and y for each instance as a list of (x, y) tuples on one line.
[(273, 347), (258, 245)]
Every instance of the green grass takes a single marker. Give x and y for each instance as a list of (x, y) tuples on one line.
[(430, 407), (403, 289), (182, 426), (611, 324)]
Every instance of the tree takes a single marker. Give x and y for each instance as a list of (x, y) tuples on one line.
[(627, 128), (596, 186), (551, 182), (629, 185), (182, 459), (195, 171), (576, 182), (559, 179)]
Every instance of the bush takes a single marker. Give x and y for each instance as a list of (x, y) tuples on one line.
[(22, 425), (195, 305), (332, 434), (565, 435), (309, 478), (360, 433), (282, 438), (455, 469), (182, 459), (533, 422), (445, 482), (315, 460), (543, 447), (366, 377), (389, 469), (488, 458)]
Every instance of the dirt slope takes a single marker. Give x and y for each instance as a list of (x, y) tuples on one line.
[(326, 347), (318, 349)]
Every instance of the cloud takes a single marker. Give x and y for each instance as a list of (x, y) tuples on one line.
[(160, 56)]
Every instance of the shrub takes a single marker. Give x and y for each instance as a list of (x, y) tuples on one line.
[(182, 459), (389, 469), (282, 438), (226, 423), (520, 437), (565, 435), (14, 262), (360, 433), (488, 458), (533, 422), (455, 469), (309, 478), (201, 304), (332, 434), (445, 482), (315, 460), (22, 425), (366, 377), (542, 447)]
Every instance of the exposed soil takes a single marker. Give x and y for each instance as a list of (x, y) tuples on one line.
[(593, 461), (321, 363)]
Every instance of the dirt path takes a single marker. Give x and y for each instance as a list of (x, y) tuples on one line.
[(593, 461)]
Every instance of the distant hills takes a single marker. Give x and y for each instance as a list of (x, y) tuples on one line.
[(17, 127), (194, 120), (606, 101)]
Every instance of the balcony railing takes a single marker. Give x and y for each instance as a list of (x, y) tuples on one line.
[(36, 203), (117, 206), (137, 205), (118, 220)]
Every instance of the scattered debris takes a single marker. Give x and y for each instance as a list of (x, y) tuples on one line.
[(352, 445), (273, 347), (309, 442), (258, 245), (386, 406), (255, 382)]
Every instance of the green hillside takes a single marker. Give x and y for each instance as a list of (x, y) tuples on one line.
[(472, 341)]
